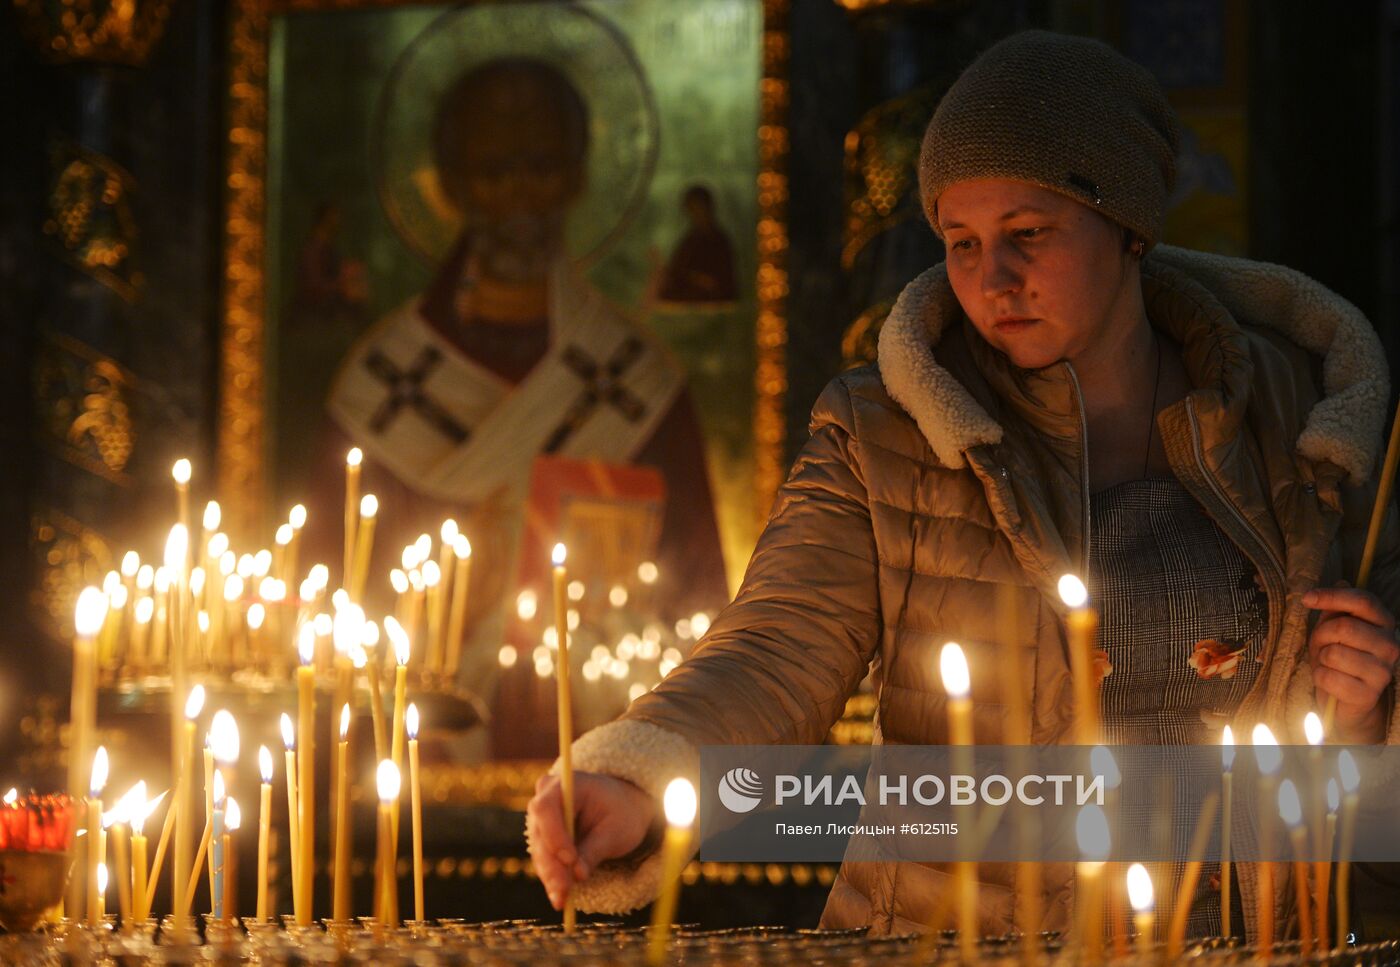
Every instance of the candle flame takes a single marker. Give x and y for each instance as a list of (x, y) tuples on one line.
[(1140, 893), (1346, 768), (399, 637), (12, 796), (265, 763), (306, 643), (1334, 795), (647, 572), (1102, 763), (233, 588), (1290, 807), (110, 582), (127, 807), (319, 576), (353, 458), (399, 581), (262, 563), (449, 532), (90, 612), (144, 812), (410, 720), (99, 771), (1312, 728), (218, 546), (181, 471), (102, 878), (559, 554), (952, 664), (1227, 748), (223, 737), (145, 578), (409, 557), (359, 658), (257, 614), (424, 547), (213, 516), (348, 628), (219, 791), (370, 637), (1266, 750), (432, 573), (289, 735), (197, 581), (283, 536), (388, 781), (194, 704), (1091, 833), (679, 803), (177, 547), (131, 563), (369, 506), (344, 721), (233, 816), (1073, 592)]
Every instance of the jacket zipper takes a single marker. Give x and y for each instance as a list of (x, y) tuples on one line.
[(1083, 473), (1276, 574)]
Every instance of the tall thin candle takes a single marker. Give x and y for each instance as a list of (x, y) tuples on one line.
[(1290, 809), (1083, 625), (416, 800), (457, 621), (306, 771), (340, 902), (957, 683), (1141, 898), (1270, 760), (94, 831), (1091, 832), (223, 740), (1351, 799), (289, 745), (387, 784), (566, 718), (352, 503), (679, 805), (264, 827), (1227, 805)]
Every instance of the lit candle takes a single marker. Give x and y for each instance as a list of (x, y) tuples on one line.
[(1191, 875), (415, 791), (1323, 870), (1227, 801), (145, 878), (176, 555), (264, 827), (352, 501), (1083, 625), (1140, 898), (94, 830), (88, 619), (223, 741), (401, 656), (457, 622), (181, 473), (119, 819), (1270, 760), (347, 629), (1312, 731), (1091, 833), (306, 764), (364, 545), (1103, 765), (296, 520), (1290, 808), (957, 683), (340, 903), (233, 818), (289, 745), (1351, 782), (678, 803), (566, 718), (432, 580), (100, 881), (387, 783)]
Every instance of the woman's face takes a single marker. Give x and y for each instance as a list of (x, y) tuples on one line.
[(1041, 276)]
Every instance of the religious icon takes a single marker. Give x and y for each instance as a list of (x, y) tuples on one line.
[(533, 155), (701, 267), (330, 288)]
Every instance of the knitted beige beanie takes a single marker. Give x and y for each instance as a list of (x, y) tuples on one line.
[(1065, 113)]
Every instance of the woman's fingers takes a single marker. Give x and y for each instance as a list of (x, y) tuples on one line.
[(1357, 664), (1357, 634), (1354, 602), (550, 847), (1350, 691)]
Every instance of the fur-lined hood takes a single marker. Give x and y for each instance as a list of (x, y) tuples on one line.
[(1343, 428)]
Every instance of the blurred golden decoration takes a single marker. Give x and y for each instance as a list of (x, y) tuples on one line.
[(42, 749), (82, 396), (861, 340), (70, 556), (241, 407), (89, 215), (857, 724), (881, 162), (864, 6), (509, 783), (94, 31), (770, 379)]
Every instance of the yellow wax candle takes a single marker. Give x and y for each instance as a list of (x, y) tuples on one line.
[(232, 820), (96, 854), (457, 621), (120, 837), (209, 799), (224, 743), (352, 502), (415, 790), (296, 520), (347, 630), (432, 581), (289, 743), (306, 779), (340, 902), (957, 683), (679, 804), (1270, 760), (88, 618), (1083, 625), (184, 789), (139, 910), (1227, 805), (1141, 899), (401, 656), (264, 827), (376, 691), (1290, 809), (101, 892), (364, 546), (565, 703), (153, 877), (388, 782), (1351, 799), (181, 473), (1091, 833), (1186, 891), (1322, 868)]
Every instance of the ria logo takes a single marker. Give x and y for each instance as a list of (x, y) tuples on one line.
[(740, 790)]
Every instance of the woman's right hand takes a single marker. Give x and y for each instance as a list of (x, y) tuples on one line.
[(612, 817)]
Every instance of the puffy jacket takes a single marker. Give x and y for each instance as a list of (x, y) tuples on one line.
[(944, 476)]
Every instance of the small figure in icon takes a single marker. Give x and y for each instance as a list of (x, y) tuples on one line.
[(701, 268)]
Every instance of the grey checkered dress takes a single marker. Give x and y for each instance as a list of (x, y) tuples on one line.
[(1183, 621)]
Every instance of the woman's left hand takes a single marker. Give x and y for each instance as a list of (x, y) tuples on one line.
[(1353, 651)]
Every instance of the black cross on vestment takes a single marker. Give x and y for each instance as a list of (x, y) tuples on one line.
[(406, 390), (601, 385)]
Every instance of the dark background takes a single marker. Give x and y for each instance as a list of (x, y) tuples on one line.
[(1321, 92)]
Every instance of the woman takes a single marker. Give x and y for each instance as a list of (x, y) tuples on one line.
[(1198, 434)]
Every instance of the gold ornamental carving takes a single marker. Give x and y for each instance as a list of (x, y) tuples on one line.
[(96, 31), (83, 397), (90, 218)]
